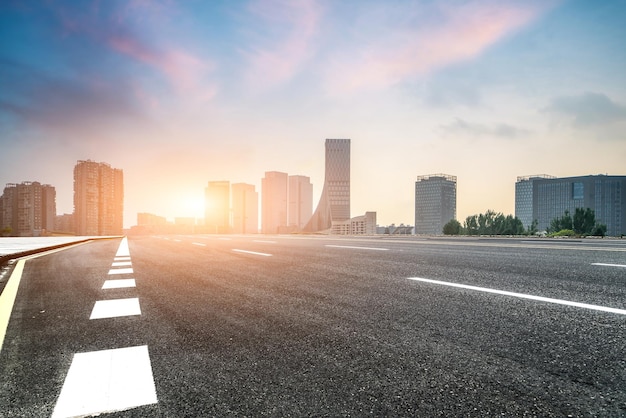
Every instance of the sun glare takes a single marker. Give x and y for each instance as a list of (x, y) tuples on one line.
[(193, 206)]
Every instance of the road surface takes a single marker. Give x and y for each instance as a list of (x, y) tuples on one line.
[(207, 325)]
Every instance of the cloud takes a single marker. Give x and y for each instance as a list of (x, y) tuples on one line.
[(282, 40), (587, 109), (414, 40), (461, 127), (37, 97)]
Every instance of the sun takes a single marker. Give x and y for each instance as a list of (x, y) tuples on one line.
[(193, 206)]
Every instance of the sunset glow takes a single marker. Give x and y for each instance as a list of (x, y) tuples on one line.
[(178, 94)]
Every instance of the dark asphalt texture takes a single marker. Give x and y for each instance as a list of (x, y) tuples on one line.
[(326, 331)]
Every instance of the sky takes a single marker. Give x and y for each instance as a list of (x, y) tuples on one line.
[(180, 93)]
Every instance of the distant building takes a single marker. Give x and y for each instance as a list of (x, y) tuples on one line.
[(217, 207), (360, 225), (27, 209), (300, 201), (435, 203), (274, 206), (98, 199), (334, 204), (64, 224), (245, 209), (149, 219), (392, 229), (544, 198)]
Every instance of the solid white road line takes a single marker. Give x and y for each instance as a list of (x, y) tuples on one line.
[(121, 263), (118, 284), (121, 271), (113, 308), (608, 265), (107, 381), (357, 248), (253, 252), (267, 242), (123, 250), (199, 244), (523, 296)]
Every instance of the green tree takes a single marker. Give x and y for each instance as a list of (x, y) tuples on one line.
[(471, 225), (453, 227)]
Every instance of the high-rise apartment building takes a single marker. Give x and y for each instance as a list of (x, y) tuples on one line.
[(245, 209), (27, 209), (274, 203), (300, 201), (435, 203), (98, 199), (217, 207), (544, 198), (334, 204)]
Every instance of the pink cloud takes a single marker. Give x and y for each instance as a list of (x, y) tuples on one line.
[(278, 59), (461, 33)]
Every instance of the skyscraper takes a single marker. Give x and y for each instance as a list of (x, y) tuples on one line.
[(544, 198), (274, 207), (27, 209), (300, 201), (245, 209), (98, 199), (334, 204), (435, 203), (217, 207)]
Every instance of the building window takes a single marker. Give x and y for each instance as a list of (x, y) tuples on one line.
[(578, 190)]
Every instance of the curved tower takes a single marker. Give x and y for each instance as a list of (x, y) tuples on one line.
[(334, 203)]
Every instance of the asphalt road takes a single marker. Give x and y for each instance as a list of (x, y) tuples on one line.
[(316, 326)]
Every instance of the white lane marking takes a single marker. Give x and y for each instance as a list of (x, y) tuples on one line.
[(121, 271), (126, 258), (608, 265), (121, 263), (199, 244), (267, 242), (107, 381), (253, 252), (176, 240), (123, 248), (357, 248), (225, 239), (115, 307), (119, 283), (523, 296)]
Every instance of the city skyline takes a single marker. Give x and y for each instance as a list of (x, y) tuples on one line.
[(177, 94)]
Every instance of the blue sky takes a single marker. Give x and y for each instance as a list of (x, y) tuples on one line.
[(181, 93)]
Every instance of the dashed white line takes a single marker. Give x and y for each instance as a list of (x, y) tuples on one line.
[(522, 296), (608, 265), (199, 244), (266, 242), (113, 308), (107, 381), (357, 248), (121, 263), (119, 283), (253, 253), (125, 258), (121, 271)]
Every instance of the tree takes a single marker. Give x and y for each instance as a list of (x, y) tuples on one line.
[(453, 227), (471, 225), (582, 223)]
